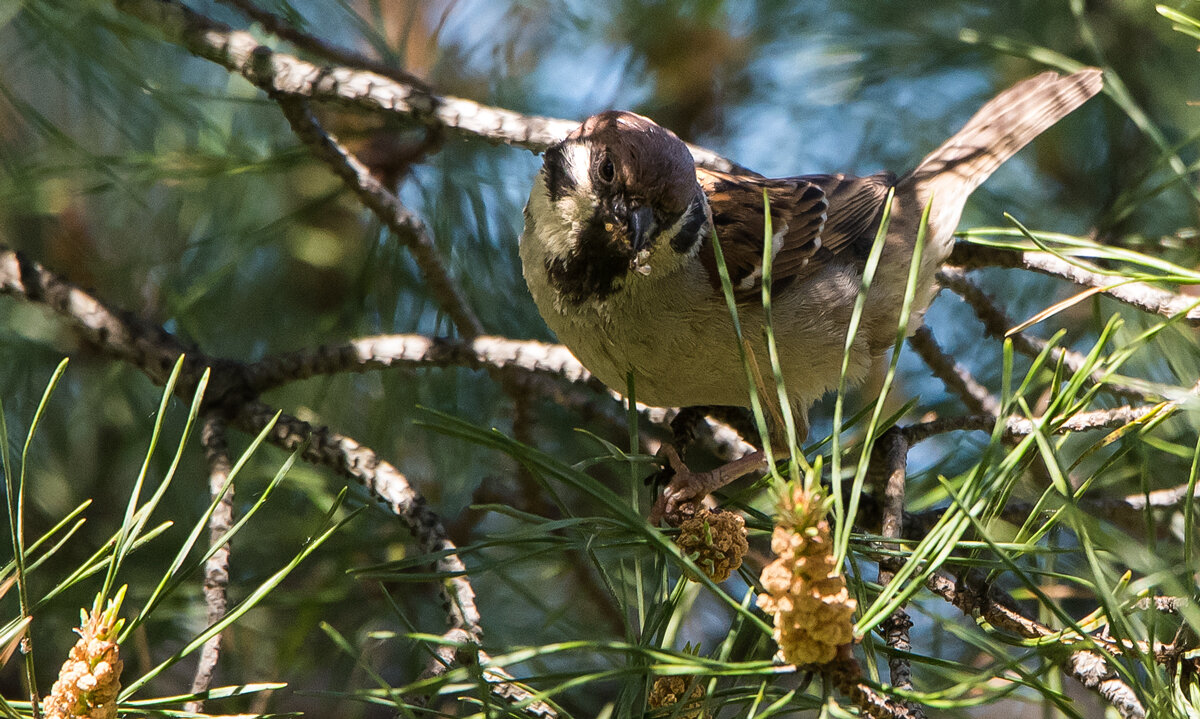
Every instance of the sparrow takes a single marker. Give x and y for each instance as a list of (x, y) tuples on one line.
[(618, 253)]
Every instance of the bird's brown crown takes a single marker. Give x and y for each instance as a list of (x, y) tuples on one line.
[(649, 163)]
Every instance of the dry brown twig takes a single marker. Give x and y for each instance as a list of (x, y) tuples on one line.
[(956, 377), (216, 567), (890, 457), (386, 206), (997, 324)]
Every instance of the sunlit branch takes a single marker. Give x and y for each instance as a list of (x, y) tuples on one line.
[(283, 74), (1135, 294)]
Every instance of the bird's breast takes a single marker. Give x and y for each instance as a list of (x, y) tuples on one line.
[(674, 334)]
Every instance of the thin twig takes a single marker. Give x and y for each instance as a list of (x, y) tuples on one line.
[(1092, 671), (457, 647), (1016, 427), (1166, 605), (997, 324), (216, 568), (280, 27), (283, 74), (892, 453), (1158, 499), (1135, 294), (155, 351), (846, 675), (974, 597), (386, 206), (1129, 509), (956, 377)]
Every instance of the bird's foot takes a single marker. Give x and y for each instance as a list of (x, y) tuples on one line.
[(687, 489)]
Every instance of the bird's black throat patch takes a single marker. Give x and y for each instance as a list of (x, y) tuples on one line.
[(592, 270)]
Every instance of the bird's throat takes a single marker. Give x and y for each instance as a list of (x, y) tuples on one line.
[(594, 267)]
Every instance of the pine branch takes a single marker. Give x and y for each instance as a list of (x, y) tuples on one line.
[(404, 224), (154, 351), (216, 567), (997, 324), (279, 73), (1135, 294)]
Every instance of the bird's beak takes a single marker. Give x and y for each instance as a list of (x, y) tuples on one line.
[(640, 223)]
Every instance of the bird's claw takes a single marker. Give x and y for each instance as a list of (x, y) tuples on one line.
[(683, 492), (682, 495)]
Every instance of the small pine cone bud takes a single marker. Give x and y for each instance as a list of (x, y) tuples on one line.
[(805, 593), (716, 542), (90, 679), (669, 691)]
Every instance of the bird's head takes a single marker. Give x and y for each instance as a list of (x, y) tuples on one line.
[(608, 199)]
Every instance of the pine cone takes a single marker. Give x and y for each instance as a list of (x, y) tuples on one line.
[(669, 691), (716, 542)]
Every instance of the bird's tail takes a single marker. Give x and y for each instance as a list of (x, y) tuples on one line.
[(1003, 126)]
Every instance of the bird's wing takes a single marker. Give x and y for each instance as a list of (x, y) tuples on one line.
[(814, 220)]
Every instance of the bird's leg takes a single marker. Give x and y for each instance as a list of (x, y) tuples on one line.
[(685, 490), (684, 427)]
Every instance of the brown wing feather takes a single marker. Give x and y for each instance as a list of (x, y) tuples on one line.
[(797, 218), (855, 208), (821, 217)]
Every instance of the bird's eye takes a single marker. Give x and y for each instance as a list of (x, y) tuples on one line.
[(608, 171)]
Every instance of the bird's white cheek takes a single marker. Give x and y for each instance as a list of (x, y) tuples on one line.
[(560, 223), (577, 158), (576, 206)]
